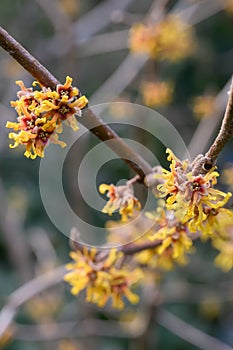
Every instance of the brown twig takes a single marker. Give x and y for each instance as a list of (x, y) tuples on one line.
[(206, 162), (226, 131), (94, 123), (131, 248)]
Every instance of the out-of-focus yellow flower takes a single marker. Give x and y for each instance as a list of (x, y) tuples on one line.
[(96, 272), (41, 114), (191, 196), (229, 7), (224, 259), (70, 345), (120, 198), (170, 39), (6, 337), (142, 39), (44, 307), (157, 93), (70, 7), (228, 177), (210, 307), (204, 106), (216, 222), (222, 239)]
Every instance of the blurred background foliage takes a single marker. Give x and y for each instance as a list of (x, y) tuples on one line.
[(88, 40)]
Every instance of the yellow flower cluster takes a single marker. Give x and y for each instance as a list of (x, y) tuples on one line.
[(157, 93), (120, 198), (173, 237), (99, 274), (171, 39), (41, 113), (193, 199), (204, 106)]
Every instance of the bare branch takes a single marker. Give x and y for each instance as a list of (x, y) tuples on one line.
[(94, 123), (225, 134), (26, 292), (132, 248), (204, 132), (189, 333), (226, 131)]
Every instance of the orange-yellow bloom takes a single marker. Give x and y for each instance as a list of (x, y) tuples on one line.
[(160, 41), (204, 106), (120, 198), (41, 113), (156, 93), (191, 196), (96, 272)]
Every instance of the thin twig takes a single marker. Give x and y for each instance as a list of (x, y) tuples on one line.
[(206, 128), (189, 333), (226, 131), (94, 123), (205, 163), (131, 249), (26, 292)]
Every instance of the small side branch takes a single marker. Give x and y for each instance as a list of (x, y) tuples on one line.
[(206, 162), (94, 123), (131, 249), (226, 131)]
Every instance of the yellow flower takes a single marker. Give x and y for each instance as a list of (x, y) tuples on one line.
[(224, 259), (229, 6), (41, 113), (156, 93), (222, 239), (142, 39), (160, 41), (96, 272), (175, 237), (191, 196), (120, 198), (228, 177), (204, 106), (216, 222)]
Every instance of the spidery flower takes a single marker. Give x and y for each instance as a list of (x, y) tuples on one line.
[(97, 272), (174, 239), (41, 113), (120, 198), (191, 196)]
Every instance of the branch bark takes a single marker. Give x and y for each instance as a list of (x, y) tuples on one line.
[(206, 162), (94, 123)]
